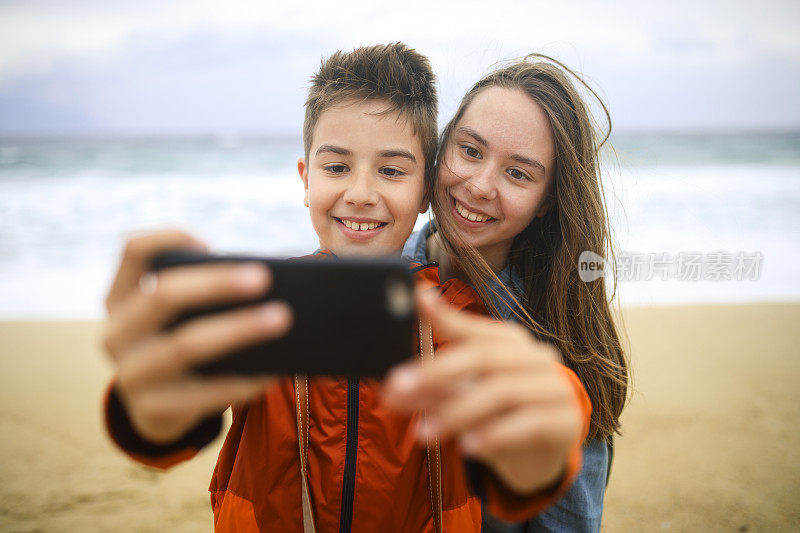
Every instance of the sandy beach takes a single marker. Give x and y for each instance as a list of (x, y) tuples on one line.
[(710, 435)]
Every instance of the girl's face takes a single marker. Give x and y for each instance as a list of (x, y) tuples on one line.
[(497, 170)]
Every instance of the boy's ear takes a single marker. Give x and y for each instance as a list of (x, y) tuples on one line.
[(423, 206), (303, 171)]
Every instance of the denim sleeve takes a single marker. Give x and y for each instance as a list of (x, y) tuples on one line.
[(581, 508)]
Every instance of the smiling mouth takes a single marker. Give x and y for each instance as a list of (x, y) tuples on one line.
[(359, 226), (470, 215)]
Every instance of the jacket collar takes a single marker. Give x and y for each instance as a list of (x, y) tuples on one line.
[(416, 251)]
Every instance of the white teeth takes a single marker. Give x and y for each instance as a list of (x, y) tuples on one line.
[(363, 226), (475, 217)]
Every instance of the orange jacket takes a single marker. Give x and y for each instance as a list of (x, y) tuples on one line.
[(256, 485)]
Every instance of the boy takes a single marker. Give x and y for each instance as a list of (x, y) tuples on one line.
[(321, 453)]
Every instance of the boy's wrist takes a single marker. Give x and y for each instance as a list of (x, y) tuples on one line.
[(526, 487), (511, 479), (128, 438)]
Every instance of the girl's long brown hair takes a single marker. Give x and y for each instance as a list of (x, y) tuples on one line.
[(556, 305)]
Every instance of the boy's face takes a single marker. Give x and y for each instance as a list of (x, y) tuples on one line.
[(364, 179)]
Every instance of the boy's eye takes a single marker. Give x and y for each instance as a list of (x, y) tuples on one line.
[(517, 174), (336, 169), (391, 172), (471, 151)]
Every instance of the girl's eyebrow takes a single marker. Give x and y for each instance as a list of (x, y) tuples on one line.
[(516, 157), (528, 161), (474, 134)]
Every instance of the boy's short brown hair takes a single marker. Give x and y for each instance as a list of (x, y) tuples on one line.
[(394, 73)]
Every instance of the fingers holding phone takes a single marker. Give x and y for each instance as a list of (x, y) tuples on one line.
[(501, 393), (173, 291), (136, 257), (164, 400), (170, 354)]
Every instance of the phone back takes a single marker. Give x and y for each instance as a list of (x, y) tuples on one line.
[(352, 317)]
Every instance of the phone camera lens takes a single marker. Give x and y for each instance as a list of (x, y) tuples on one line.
[(399, 298)]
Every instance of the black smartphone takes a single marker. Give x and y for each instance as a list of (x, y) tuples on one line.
[(352, 317)]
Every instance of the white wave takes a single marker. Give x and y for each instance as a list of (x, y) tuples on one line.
[(60, 235)]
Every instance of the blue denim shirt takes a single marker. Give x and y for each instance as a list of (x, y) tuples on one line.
[(581, 508)]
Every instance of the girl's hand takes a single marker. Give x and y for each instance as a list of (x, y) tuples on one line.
[(498, 391), (163, 401)]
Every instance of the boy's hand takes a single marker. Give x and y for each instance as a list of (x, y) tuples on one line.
[(498, 391), (163, 401)]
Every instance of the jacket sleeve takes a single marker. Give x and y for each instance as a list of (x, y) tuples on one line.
[(161, 456), (509, 505)]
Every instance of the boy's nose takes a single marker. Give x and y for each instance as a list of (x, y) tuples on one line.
[(361, 190)]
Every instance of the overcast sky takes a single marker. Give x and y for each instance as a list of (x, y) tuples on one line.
[(198, 67)]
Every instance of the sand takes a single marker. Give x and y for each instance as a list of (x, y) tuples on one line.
[(710, 439)]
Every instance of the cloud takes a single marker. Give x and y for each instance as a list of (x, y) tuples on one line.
[(242, 66), (198, 83)]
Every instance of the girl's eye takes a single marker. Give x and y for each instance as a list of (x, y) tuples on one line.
[(336, 169), (471, 151), (517, 174), (391, 172)]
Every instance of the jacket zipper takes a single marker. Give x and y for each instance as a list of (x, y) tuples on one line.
[(351, 445), (432, 264), (351, 448)]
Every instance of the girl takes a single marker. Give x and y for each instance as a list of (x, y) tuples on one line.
[(517, 199)]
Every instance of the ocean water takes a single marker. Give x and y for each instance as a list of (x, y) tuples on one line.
[(67, 206)]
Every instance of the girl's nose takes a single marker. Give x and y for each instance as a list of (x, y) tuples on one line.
[(481, 184)]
